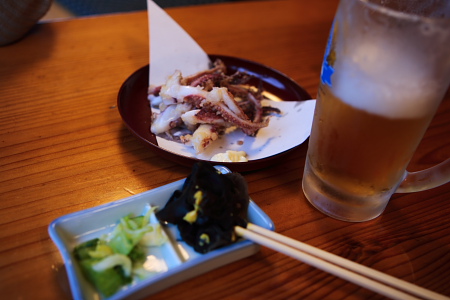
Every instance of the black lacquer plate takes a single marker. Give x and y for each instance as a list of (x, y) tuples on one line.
[(135, 110)]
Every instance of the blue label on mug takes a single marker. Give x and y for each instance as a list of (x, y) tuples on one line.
[(327, 71), (328, 60)]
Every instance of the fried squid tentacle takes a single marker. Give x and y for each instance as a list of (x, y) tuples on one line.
[(202, 137), (207, 103), (169, 118)]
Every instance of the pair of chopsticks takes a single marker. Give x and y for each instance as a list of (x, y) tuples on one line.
[(338, 266)]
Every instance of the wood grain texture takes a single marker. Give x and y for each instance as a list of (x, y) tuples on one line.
[(63, 148)]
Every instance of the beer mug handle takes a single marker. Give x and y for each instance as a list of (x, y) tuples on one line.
[(425, 179)]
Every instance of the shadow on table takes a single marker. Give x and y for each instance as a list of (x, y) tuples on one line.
[(89, 7)]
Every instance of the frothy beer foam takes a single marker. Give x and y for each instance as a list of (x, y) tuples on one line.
[(387, 85)]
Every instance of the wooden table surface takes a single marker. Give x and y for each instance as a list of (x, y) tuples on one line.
[(64, 148)]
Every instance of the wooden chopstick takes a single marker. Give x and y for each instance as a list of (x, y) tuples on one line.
[(336, 265)]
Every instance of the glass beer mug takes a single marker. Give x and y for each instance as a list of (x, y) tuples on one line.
[(385, 71)]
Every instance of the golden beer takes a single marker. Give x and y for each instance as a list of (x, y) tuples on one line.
[(356, 159), (360, 152)]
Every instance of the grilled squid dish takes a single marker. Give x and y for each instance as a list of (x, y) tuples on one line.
[(196, 110)]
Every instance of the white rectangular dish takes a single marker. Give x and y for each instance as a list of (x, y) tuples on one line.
[(175, 260)]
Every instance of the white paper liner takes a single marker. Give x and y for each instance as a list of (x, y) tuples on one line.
[(172, 48)]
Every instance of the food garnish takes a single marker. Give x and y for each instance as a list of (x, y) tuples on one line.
[(230, 156), (198, 109), (116, 259), (208, 207)]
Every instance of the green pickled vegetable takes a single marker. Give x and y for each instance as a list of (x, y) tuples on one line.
[(108, 262), (108, 281)]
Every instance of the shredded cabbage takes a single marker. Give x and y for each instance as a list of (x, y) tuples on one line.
[(156, 237), (101, 251), (129, 232), (112, 261)]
